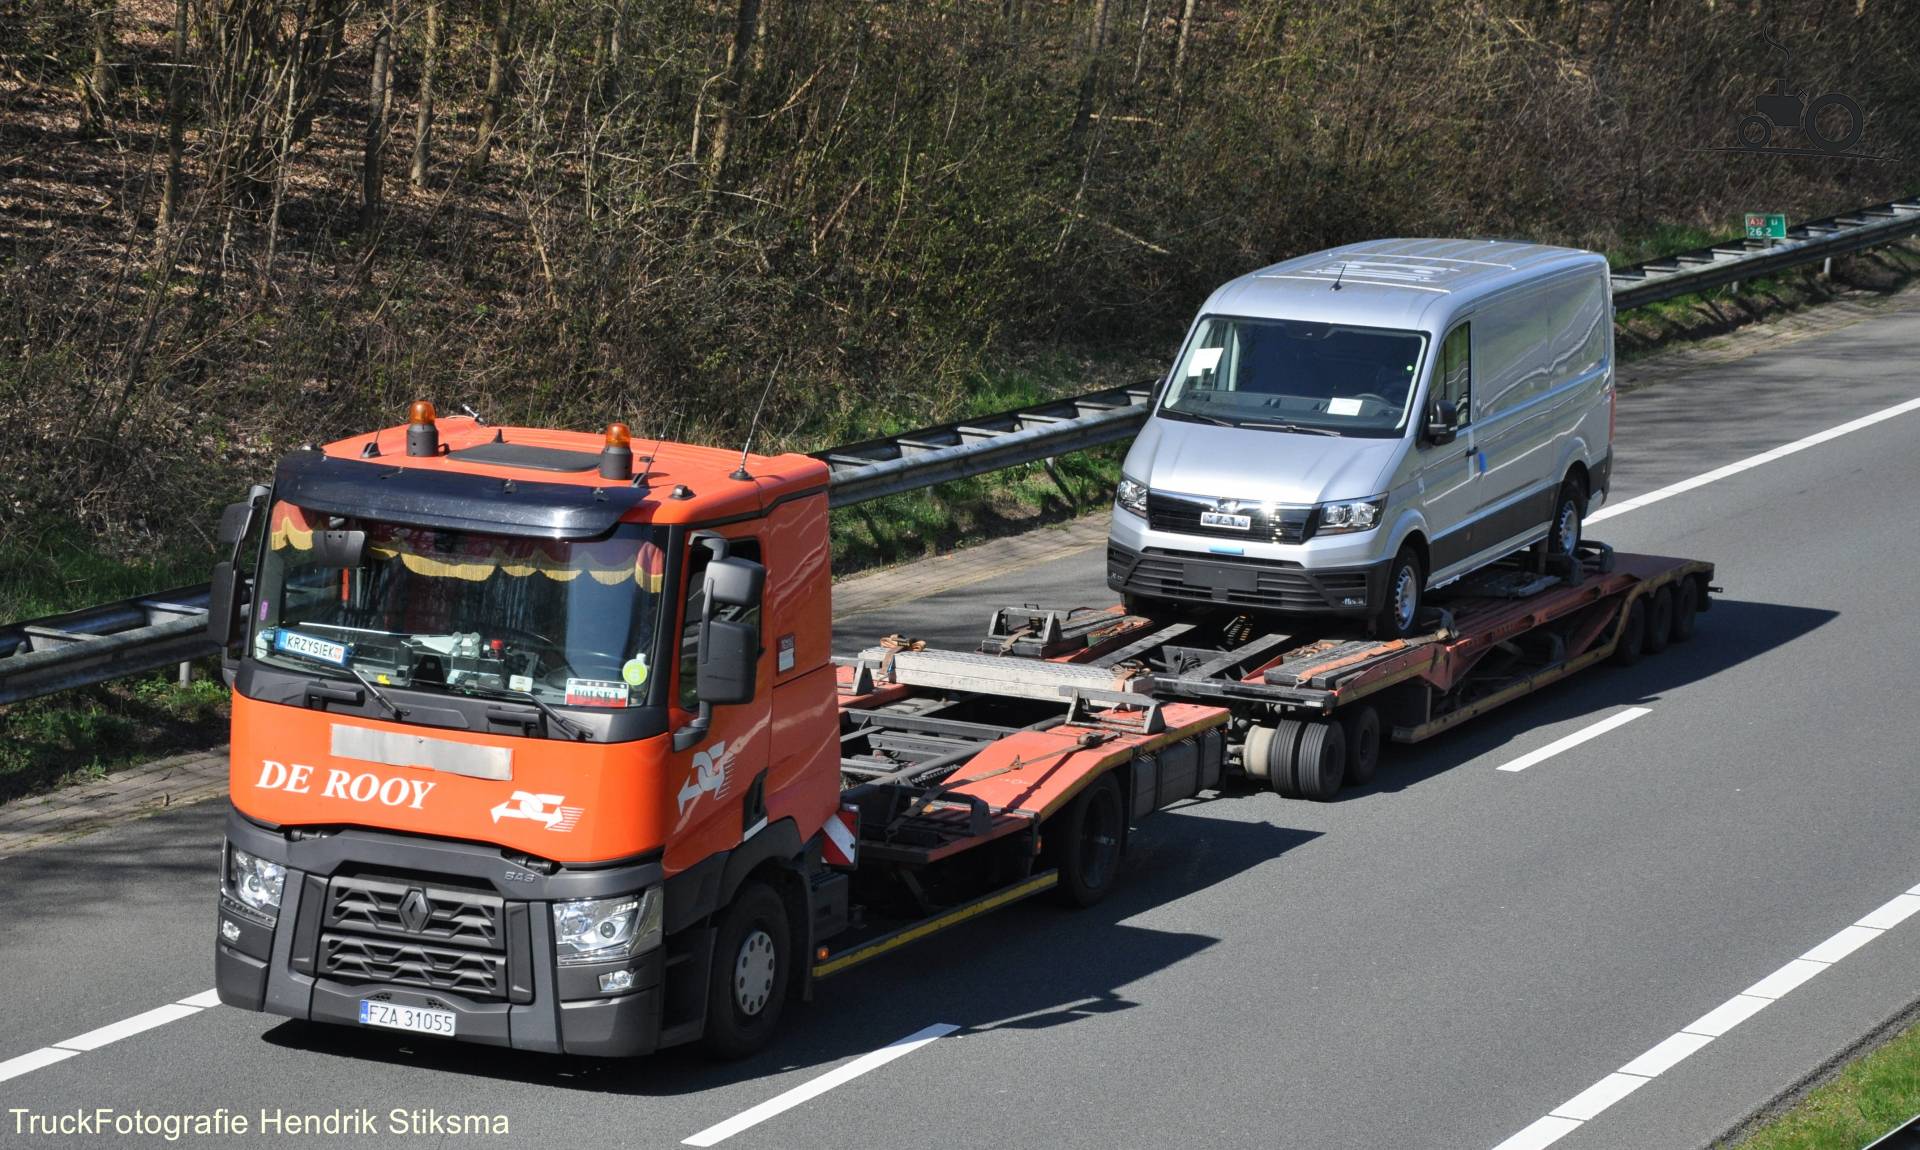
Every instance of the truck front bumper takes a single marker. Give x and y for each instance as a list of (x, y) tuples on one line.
[(342, 936)]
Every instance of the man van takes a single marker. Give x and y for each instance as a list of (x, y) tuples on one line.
[(1346, 431)]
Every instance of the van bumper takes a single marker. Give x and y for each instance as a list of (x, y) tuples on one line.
[(1275, 585)]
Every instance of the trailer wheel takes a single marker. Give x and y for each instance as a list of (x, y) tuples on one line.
[(1633, 635), (1320, 761), (752, 964), (1085, 843), (1686, 606), (1362, 728), (1659, 621)]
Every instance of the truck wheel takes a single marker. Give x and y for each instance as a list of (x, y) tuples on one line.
[(1686, 606), (1569, 511), (1320, 761), (1362, 728), (1659, 621), (1084, 843), (752, 964), (1404, 590), (1633, 635)]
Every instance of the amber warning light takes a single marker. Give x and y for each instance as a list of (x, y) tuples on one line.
[(616, 458), (423, 436)]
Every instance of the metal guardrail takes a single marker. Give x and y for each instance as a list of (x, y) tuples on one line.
[(149, 632)]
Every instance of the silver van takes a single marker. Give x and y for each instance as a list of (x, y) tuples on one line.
[(1345, 431)]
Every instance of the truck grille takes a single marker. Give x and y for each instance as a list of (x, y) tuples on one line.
[(407, 933), (1182, 515), (357, 958), (1266, 585)]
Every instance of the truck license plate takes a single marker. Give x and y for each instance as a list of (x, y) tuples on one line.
[(1222, 519), (397, 1017)]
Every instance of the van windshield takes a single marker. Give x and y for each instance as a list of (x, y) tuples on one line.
[(1292, 375)]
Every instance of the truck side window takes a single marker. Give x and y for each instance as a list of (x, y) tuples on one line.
[(1453, 381), (697, 559)]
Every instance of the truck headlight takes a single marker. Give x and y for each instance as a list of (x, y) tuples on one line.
[(1131, 495), (1349, 515), (255, 882), (606, 929)]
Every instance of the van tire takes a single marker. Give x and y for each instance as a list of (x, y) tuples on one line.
[(752, 931), (1633, 635), (1569, 517), (1389, 622), (1659, 621)]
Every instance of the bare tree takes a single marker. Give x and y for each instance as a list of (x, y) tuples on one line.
[(498, 44), (746, 25), (423, 112), (1180, 45), (379, 101), (100, 78), (176, 126)]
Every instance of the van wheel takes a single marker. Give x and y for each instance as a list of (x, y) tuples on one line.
[(752, 964), (1659, 621), (1404, 589), (1569, 512), (1084, 842)]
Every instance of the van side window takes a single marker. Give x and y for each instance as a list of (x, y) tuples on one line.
[(1454, 379), (697, 559)]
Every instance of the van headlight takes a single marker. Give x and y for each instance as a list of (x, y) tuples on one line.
[(1349, 515), (1131, 496), (606, 929)]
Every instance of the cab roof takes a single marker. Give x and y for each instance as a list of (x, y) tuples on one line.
[(1409, 284), (684, 483)]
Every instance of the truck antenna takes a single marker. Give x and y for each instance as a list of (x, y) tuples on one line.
[(740, 472), (641, 479)]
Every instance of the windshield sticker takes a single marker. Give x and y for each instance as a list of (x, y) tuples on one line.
[(520, 683), (1204, 359), (311, 647), (596, 693), (635, 671), (1343, 407)]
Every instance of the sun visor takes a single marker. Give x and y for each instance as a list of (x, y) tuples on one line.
[(432, 498)]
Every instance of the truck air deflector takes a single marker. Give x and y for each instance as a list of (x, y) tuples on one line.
[(453, 500)]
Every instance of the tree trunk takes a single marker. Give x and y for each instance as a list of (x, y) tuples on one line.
[(176, 126), (377, 104), (423, 114), (1180, 45), (732, 88), (496, 82), (100, 79), (1140, 49), (1090, 78)]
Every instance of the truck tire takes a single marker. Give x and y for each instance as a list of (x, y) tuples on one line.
[(1085, 842), (1273, 748), (1361, 724), (1659, 621), (1320, 761), (1404, 593), (1686, 607), (1569, 516), (752, 965), (1633, 635)]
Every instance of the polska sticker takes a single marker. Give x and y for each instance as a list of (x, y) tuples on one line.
[(596, 693)]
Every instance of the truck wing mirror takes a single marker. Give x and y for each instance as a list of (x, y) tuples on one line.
[(1441, 422), (226, 597), (729, 655), (735, 582)]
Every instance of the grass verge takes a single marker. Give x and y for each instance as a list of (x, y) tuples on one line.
[(1872, 1095), (80, 735)]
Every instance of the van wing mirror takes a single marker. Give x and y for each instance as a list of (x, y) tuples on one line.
[(1441, 422), (729, 655)]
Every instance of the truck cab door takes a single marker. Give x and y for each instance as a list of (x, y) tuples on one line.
[(716, 782)]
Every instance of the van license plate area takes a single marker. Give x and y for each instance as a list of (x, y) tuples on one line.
[(1222, 519)]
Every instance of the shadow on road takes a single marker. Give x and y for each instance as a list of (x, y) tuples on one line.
[(1033, 966)]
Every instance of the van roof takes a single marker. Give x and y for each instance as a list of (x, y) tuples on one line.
[(1411, 284)]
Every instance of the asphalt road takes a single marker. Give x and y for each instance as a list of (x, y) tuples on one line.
[(1435, 961)]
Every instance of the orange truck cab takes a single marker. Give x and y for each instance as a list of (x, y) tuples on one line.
[(528, 727)]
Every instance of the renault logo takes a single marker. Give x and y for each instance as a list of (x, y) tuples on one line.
[(415, 911)]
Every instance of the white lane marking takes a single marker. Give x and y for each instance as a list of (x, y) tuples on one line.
[(1753, 461), (66, 1048), (33, 1060), (1577, 1111), (818, 1086), (1618, 719), (1602, 1094)]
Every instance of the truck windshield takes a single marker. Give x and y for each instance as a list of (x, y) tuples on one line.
[(1292, 375), (569, 623)]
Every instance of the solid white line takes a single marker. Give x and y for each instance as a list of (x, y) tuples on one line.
[(1691, 1038), (203, 1000), (1602, 1094), (128, 1027), (1618, 719), (33, 1060), (1753, 461), (818, 1086)]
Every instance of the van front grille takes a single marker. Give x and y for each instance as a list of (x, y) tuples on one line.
[(1182, 516)]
